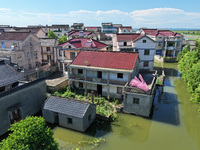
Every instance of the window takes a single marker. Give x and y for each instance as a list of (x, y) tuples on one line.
[(69, 120), (136, 100), (89, 117), (120, 75), (159, 43), (146, 52), (19, 58), (31, 45), (36, 55), (28, 55), (125, 43), (15, 44), (48, 49), (69, 46), (99, 74), (145, 64), (144, 41), (30, 66), (15, 115), (72, 55), (136, 50), (80, 71), (119, 90), (60, 53), (80, 85)]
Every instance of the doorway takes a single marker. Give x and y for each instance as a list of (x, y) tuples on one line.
[(99, 74), (99, 89)]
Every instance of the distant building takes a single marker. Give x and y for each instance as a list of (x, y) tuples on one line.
[(168, 43), (93, 29), (24, 50), (104, 72), (125, 29), (69, 113), (135, 42), (137, 101), (77, 26), (60, 30), (110, 28), (37, 31), (82, 34)]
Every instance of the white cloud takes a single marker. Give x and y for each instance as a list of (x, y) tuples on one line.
[(153, 18)]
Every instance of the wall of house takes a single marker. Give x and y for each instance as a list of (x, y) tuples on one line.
[(41, 34), (49, 116), (30, 98), (144, 106), (90, 111)]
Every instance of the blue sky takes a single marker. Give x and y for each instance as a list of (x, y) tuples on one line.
[(140, 13)]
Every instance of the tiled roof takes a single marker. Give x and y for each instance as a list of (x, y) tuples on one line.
[(147, 31), (164, 33), (84, 43), (116, 60), (126, 27), (16, 36), (128, 37), (8, 75), (34, 30), (66, 106)]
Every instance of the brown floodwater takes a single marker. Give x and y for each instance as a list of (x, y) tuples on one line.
[(174, 123)]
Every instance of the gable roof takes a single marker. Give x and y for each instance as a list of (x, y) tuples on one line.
[(129, 37), (164, 33), (74, 108), (147, 31), (84, 43), (34, 30), (8, 75), (15, 36), (105, 59)]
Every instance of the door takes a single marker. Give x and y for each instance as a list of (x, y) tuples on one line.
[(99, 74), (56, 118), (99, 89)]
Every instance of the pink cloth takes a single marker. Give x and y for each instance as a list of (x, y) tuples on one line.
[(139, 84)]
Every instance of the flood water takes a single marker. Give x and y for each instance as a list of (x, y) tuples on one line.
[(174, 123)]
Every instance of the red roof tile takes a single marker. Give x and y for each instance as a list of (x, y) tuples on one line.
[(164, 33), (128, 37), (16, 36), (84, 43), (148, 31), (117, 60)]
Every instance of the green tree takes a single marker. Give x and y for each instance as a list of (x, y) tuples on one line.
[(51, 34), (30, 134), (183, 52), (63, 39)]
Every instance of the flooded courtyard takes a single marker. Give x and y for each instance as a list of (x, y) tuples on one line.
[(173, 125)]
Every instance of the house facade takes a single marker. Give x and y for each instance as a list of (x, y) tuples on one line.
[(137, 101), (136, 43), (125, 29), (109, 28), (48, 50), (60, 30), (77, 26), (168, 43), (82, 34), (74, 114), (24, 50), (105, 73)]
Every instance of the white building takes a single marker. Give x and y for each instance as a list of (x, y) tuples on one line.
[(104, 72), (136, 43)]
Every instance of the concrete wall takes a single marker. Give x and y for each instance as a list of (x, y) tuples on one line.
[(144, 106), (49, 116), (30, 96)]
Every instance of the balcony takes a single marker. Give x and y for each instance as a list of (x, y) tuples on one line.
[(97, 80)]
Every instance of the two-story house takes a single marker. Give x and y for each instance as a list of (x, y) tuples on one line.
[(77, 26), (37, 31), (24, 50), (125, 29), (104, 72), (60, 29), (48, 50), (168, 43), (136, 43)]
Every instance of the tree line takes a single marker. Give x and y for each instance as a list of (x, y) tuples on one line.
[(189, 66)]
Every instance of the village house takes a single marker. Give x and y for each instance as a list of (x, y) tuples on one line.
[(10, 77), (82, 34), (125, 29), (24, 50), (48, 50), (60, 30), (37, 31), (109, 28), (168, 43), (134, 42), (137, 101), (20, 102), (67, 51), (74, 114), (77, 26), (104, 72), (93, 29)]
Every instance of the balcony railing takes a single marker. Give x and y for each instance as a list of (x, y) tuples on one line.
[(97, 80)]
